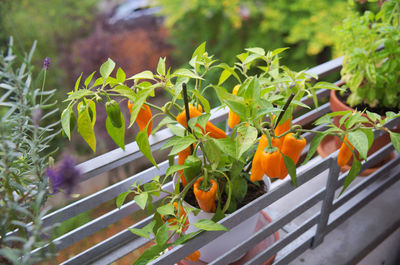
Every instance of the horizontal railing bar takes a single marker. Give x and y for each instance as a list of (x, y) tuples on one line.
[(368, 196), (101, 222), (269, 229), (327, 67), (368, 181), (284, 241), (241, 215), (103, 195), (300, 248), (114, 244)]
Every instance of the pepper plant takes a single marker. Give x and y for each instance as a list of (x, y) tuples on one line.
[(215, 167)]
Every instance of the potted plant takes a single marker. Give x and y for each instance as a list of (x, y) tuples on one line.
[(216, 173), (371, 66)]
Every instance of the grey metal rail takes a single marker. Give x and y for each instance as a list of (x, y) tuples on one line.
[(307, 235)]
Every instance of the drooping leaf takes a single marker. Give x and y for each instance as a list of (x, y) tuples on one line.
[(85, 128), (117, 134), (121, 198), (209, 225), (360, 142), (291, 168), (143, 142), (65, 121), (141, 199), (313, 146), (107, 68), (353, 173), (395, 138)]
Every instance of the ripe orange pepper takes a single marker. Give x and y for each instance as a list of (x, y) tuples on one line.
[(233, 118), (257, 169), (271, 163), (173, 221), (181, 161), (206, 199), (143, 117), (195, 256), (283, 127), (213, 130), (291, 147), (345, 153)]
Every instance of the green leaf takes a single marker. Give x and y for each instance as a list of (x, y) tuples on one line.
[(117, 134), (162, 234), (200, 50), (395, 138), (167, 209), (224, 75), (360, 142), (237, 108), (291, 168), (121, 198), (85, 128), (125, 92), (353, 173), (78, 81), (326, 85), (256, 50), (182, 144), (141, 199), (88, 79), (370, 135), (142, 75), (373, 116), (313, 146), (141, 97), (239, 188), (78, 94), (209, 225), (212, 152), (227, 146), (144, 146), (246, 137), (251, 58), (172, 169), (140, 232), (371, 73), (121, 76), (150, 254), (161, 66), (279, 50), (65, 121), (186, 73), (177, 130), (165, 121), (107, 68)]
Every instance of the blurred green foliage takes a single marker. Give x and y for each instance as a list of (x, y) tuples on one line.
[(229, 26)]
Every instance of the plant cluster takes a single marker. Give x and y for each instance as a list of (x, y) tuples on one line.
[(216, 168), (371, 64), (24, 155)]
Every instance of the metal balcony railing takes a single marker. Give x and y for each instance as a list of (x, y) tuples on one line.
[(312, 231)]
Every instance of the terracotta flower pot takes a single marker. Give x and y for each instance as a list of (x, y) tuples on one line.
[(332, 143)]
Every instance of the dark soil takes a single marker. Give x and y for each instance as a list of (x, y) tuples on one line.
[(253, 192), (381, 110)]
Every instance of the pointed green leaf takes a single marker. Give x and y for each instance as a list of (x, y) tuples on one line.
[(172, 169), (142, 75), (107, 68), (291, 168), (209, 225), (167, 209), (360, 142), (117, 134), (78, 81), (246, 137), (141, 199), (141, 97), (121, 198), (313, 146), (85, 128), (88, 79), (65, 121), (395, 138), (162, 234), (353, 173), (161, 67), (121, 76), (144, 146)]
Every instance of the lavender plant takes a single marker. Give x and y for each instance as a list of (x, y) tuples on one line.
[(24, 156)]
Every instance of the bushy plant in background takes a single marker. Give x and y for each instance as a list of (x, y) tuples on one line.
[(230, 26), (24, 156)]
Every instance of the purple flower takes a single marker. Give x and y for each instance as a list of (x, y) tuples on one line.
[(46, 63), (65, 176)]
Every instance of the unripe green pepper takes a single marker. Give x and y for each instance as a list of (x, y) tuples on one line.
[(114, 113), (193, 169)]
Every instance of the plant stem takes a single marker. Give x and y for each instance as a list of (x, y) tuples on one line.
[(186, 101), (284, 109)]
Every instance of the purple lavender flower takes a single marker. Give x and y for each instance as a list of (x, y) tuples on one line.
[(46, 63), (65, 176)]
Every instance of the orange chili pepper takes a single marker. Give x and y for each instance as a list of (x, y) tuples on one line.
[(345, 152), (143, 117), (283, 127), (195, 256), (213, 130), (233, 118), (291, 147), (181, 161), (257, 169), (206, 199), (271, 163)]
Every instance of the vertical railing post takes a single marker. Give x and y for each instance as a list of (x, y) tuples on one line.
[(327, 203)]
